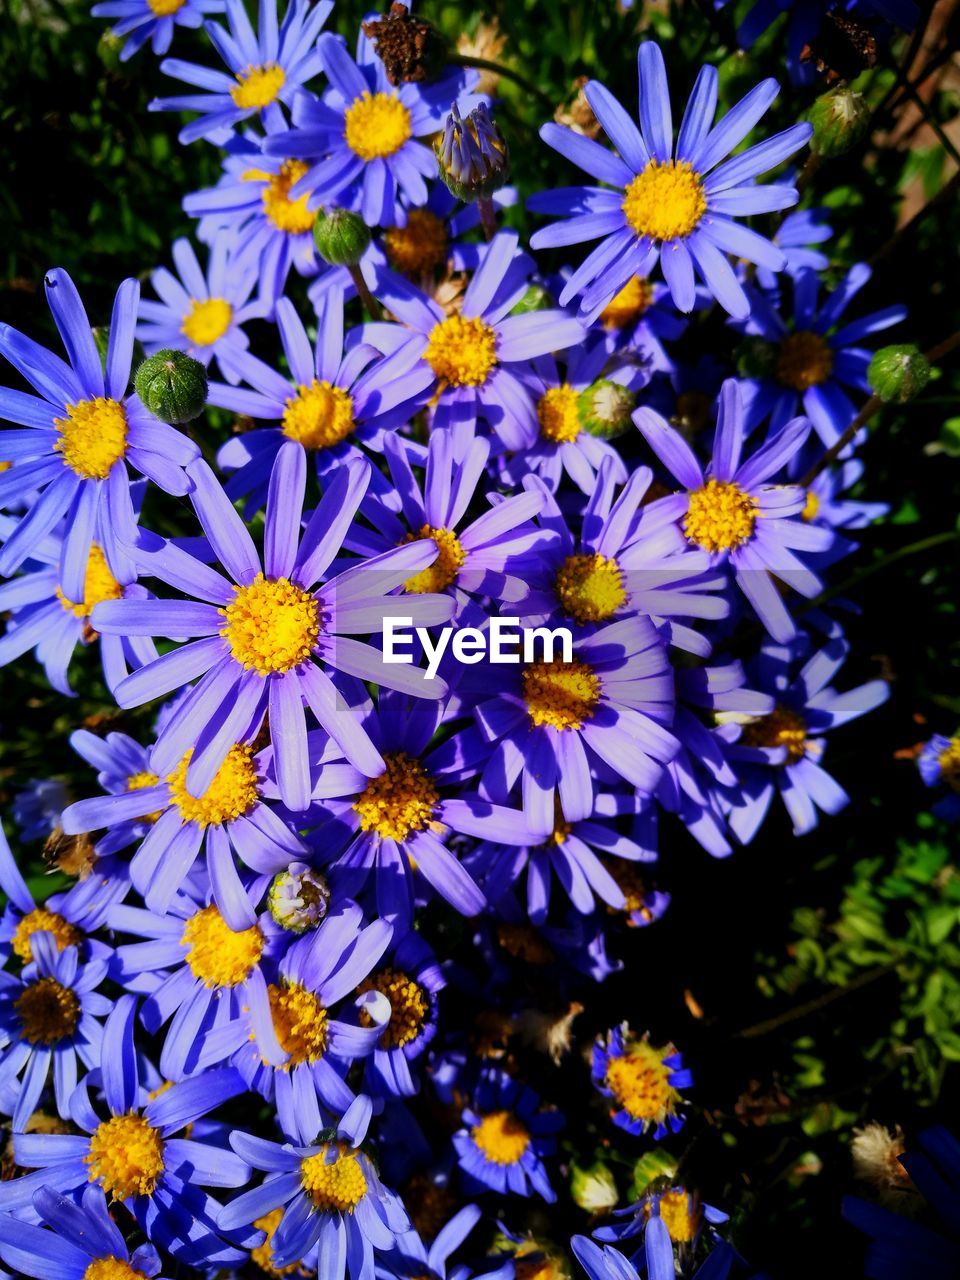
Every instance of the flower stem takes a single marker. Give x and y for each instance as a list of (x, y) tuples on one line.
[(366, 297), (498, 68), (488, 218)]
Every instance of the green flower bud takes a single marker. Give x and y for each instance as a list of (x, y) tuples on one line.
[(840, 119), (593, 1189), (536, 298), (341, 237), (605, 409), (472, 155), (172, 385), (756, 358), (109, 47), (898, 373)]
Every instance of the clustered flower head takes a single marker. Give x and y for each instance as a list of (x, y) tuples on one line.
[(235, 1024)]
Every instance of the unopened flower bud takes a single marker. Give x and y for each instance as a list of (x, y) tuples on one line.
[(536, 298), (840, 119), (605, 409), (410, 49), (341, 237), (172, 385), (109, 47), (593, 1189), (299, 898), (898, 373), (472, 155)]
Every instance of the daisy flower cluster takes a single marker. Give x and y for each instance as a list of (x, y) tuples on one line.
[(285, 1019)]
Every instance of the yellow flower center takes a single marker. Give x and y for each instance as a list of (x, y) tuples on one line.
[(98, 584), (319, 415), (218, 955), (93, 436), (116, 1268), (629, 304), (721, 516), (262, 1255), (949, 762), (781, 728), (125, 1157), (375, 125), (41, 920), (300, 1021), (558, 413), (811, 506), (665, 201), (633, 888), (48, 1011), (400, 801), (561, 694), (501, 1137), (590, 587), (639, 1082), (418, 248), (439, 575), (337, 1186), (257, 87), (207, 321), (681, 1215), (232, 793), (462, 351), (271, 625), (408, 1004), (805, 360), (279, 207), (164, 9)]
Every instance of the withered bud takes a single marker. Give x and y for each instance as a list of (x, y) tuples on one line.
[(841, 49), (410, 49)]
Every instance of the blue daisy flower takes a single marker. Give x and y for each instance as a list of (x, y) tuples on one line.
[(49, 1023), (506, 1137), (267, 69), (135, 1155), (675, 202), (642, 1081), (360, 139), (201, 313), (414, 1260), (939, 765), (82, 1240), (338, 1217), (37, 807), (80, 434), (153, 20)]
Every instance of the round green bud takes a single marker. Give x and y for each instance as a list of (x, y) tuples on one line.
[(593, 1189), (756, 358), (898, 373), (536, 298), (341, 237), (840, 120), (172, 385), (109, 47), (605, 409)]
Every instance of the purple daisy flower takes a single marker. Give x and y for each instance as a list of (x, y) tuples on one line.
[(729, 510), (390, 822), (338, 1217), (80, 434), (675, 202), (553, 724), (326, 404), (798, 235), (262, 640), (267, 67), (410, 983), (44, 619), (638, 319), (642, 1081), (490, 556), (230, 817), (48, 1021), (199, 313), (135, 1155), (467, 364), (153, 20), (360, 138), (814, 358), (414, 1260), (506, 1137), (82, 1240), (781, 751), (939, 765)]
